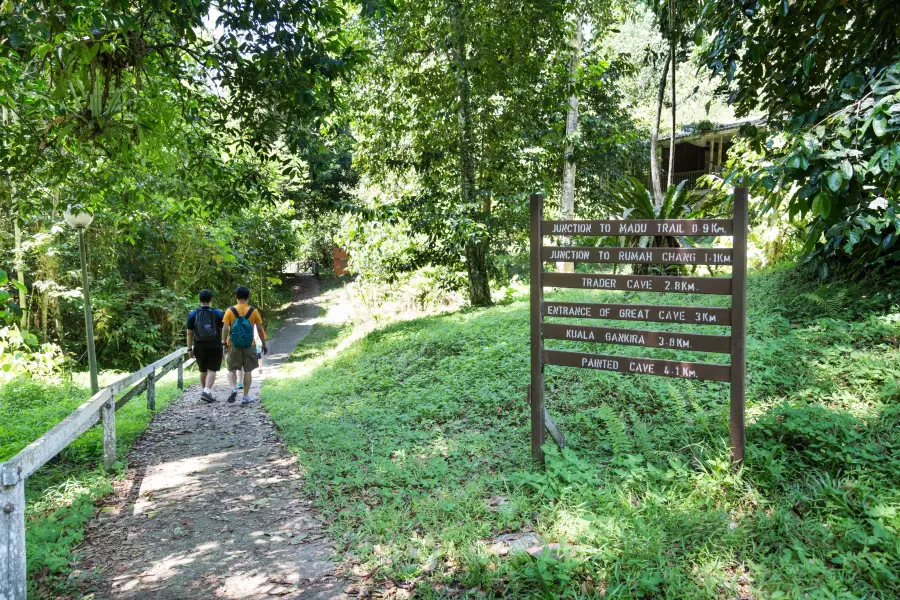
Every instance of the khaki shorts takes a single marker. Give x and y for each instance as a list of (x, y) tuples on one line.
[(242, 358)]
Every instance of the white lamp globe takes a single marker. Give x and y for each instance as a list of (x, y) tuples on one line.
[(77, 217)]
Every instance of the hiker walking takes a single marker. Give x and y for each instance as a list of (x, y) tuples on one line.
[(237, 335), (204, 342)]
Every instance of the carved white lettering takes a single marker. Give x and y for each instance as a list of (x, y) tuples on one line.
[(599, 282), (635, 256), (600, 363), (633, 313), (569, 255), (672, 315), (579, 334), (671, 228), (680, 286), (624, 338), (627, 228), (685, 257), (568, 311), (705, 318), (640, 284)]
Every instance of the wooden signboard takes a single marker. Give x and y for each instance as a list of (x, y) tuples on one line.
[(734, 317), (339, 257)]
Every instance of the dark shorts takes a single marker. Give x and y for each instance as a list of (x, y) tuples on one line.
[(242, 358), (208, 358)]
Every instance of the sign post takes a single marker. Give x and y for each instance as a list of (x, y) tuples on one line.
[(734, 317), (537, 344)]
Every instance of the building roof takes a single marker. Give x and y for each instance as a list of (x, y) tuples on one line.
[(693, 133)]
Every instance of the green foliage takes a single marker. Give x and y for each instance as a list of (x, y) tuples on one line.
[(417, 436), (409, 110), (50, 537), (21, 354), (837, 174), (832, 94), (790, 57), (632, 200)]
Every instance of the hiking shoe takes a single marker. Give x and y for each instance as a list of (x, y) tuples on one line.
[(232, 396), (247, 401), (207, 397), (240, 386)]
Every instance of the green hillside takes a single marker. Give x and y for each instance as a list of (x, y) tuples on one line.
[(415, 440)]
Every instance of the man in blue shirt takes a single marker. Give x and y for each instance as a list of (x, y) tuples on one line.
[(204, 342)]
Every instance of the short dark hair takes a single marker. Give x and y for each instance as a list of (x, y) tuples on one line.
[(205, 296), (242, 293)]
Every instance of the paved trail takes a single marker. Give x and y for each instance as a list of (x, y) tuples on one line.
[(212, 505)]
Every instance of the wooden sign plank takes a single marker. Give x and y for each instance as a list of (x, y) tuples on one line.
[(697, 315), (640, 366), (639, 283), (656, 227), (672, 340), (659, 256)]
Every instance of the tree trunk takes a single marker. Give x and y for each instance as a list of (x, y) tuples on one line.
[(45, 307), (475, 247), (654, 139), (19, 261), (672, 144), (567, 202)]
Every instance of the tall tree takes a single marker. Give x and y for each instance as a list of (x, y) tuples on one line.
[(458, 93), (676, 19), (654, 136), (476, 265), (567, 202)]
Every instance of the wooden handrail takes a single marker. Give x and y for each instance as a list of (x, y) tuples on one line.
[(101, 406)]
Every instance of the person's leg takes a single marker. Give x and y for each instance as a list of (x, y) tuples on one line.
[(210, 379), (232, 379), (207, 365), (234, 365), (249, 363)]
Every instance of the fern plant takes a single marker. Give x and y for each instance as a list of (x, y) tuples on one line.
[(642, 438), (618, 436), (629, 197), (828, 300)]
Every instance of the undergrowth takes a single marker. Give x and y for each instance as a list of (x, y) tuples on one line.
[(415, 444)]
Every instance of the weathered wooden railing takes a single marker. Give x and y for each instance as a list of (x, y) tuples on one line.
[(101, 406)]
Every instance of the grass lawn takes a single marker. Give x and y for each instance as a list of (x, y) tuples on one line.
[(415, 442)]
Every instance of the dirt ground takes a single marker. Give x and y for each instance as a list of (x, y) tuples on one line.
[(213, 504)]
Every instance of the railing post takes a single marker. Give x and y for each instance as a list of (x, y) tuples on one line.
[(12, 534), (151, 390), (181, 372), (108, 419)]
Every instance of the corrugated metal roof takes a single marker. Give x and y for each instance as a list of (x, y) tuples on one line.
[(716, 129)]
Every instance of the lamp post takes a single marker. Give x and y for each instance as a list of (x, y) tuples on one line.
[(80, 219)]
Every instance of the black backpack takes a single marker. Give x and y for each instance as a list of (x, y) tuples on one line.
[(205, 327)]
